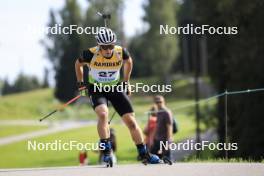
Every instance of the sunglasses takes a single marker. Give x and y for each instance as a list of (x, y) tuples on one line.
[(106, 47), (157, 102)]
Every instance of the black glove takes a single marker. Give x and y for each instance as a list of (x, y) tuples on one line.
[(126, 87), (82, 88)]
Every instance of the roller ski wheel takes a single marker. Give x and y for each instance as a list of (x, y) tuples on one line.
[(109, 161), (151, 159), (166, 160), (145, 161)]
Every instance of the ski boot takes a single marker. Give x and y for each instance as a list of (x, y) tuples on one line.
[(146, 157), (151, 159), (107, 157)]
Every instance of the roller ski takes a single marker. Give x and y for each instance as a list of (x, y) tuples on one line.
[(154, 159), (108, 160), (150, 159), (106, 150), (147, 158), (166, 160)]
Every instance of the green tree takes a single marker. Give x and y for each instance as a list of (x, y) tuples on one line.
[(7, 88), (113, 7), (22, 83), (141, 66), (1, 85), (161, 50), (46, 78), (25, 83), (235, 62), (63, 49)]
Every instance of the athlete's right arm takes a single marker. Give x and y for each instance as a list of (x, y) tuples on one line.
[(79, 74), (84, 59), (79, 70)]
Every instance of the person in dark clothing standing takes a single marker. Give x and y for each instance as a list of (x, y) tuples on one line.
[(164, 132)]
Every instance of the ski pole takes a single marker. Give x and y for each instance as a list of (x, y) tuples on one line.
[(62, 107), (106, 18), (111, 117)]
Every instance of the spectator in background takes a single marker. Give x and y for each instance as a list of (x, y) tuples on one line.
[(164, 128), (83, 158), (150, 128)]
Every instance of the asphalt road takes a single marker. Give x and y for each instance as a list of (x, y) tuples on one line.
[(178, 169)]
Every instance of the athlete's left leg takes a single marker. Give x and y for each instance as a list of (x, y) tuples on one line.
[(122, 105), (137, 136), (135, 130)]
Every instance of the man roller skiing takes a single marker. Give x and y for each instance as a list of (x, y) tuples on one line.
[(105, 62)]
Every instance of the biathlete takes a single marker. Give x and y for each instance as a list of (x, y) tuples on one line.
[(105, 62)]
